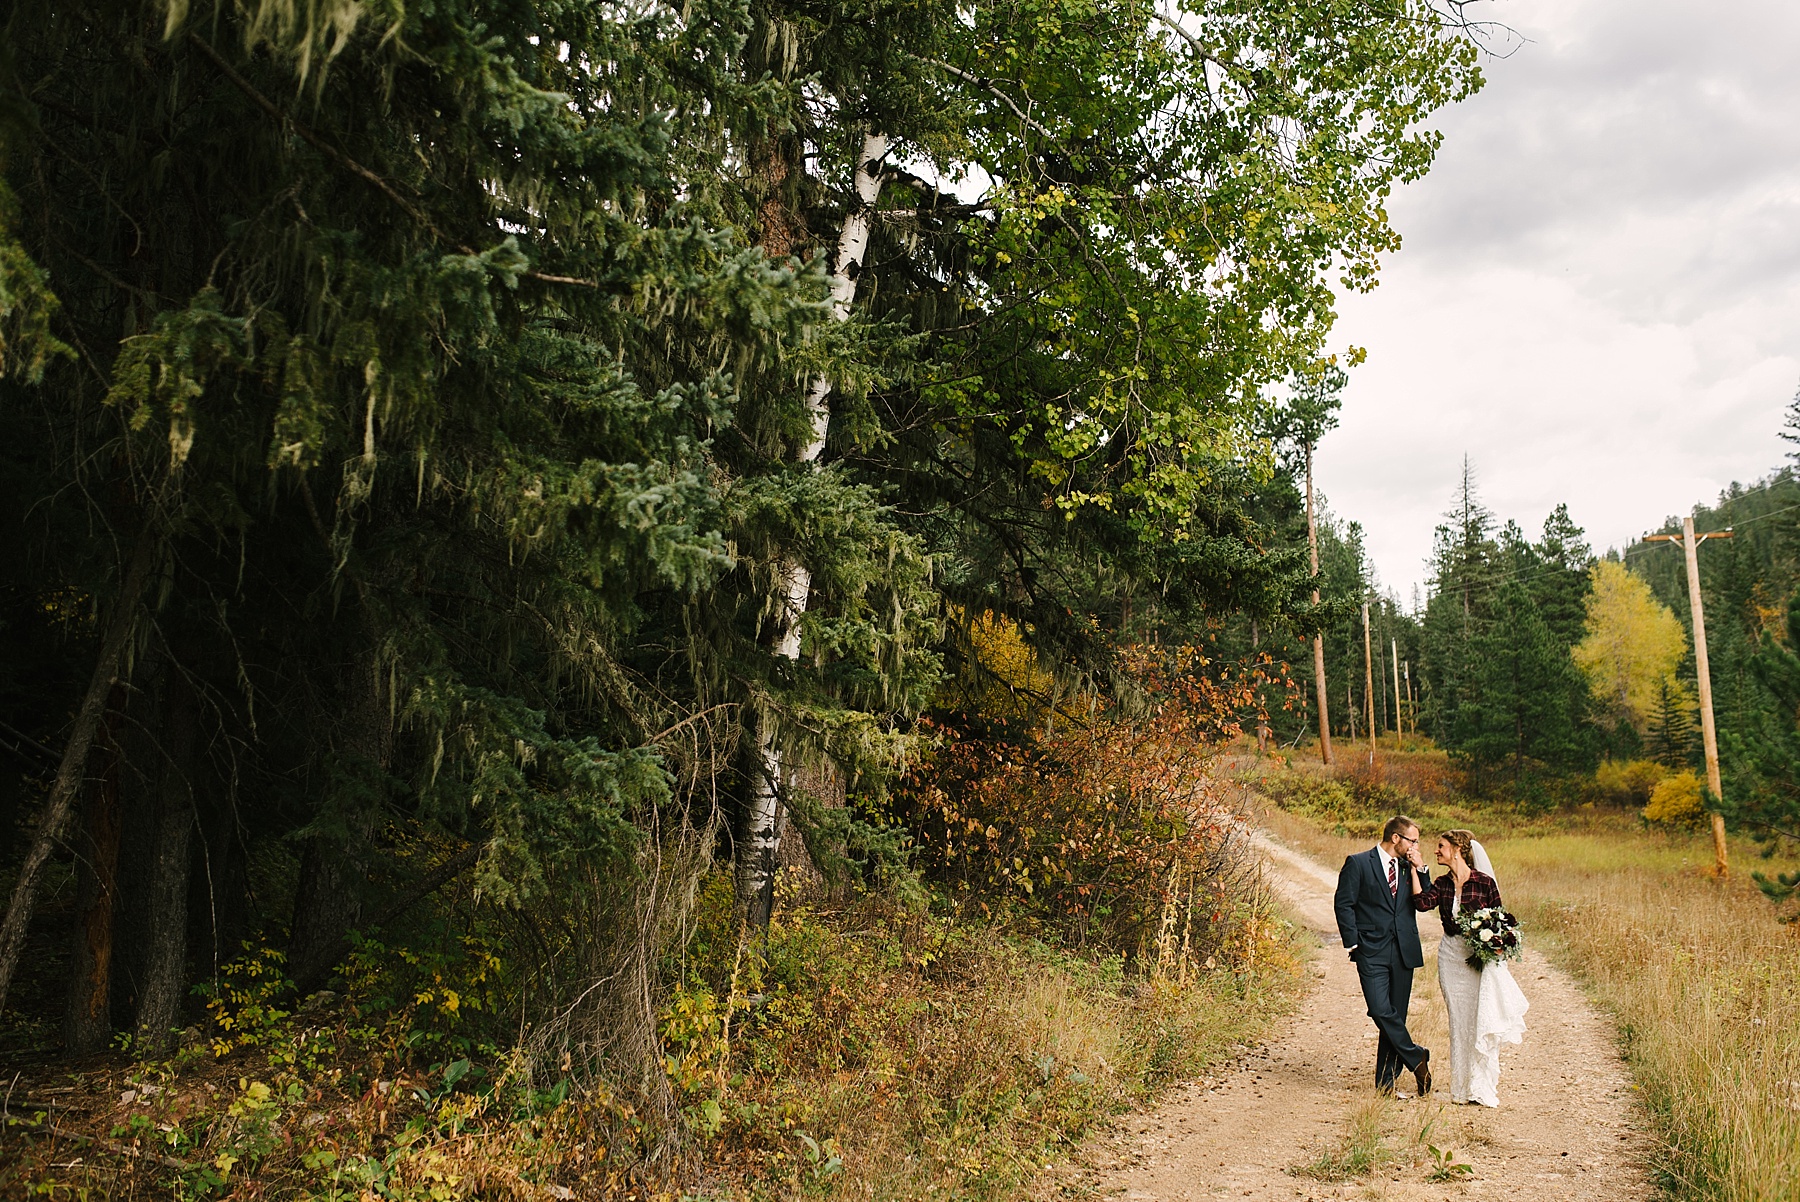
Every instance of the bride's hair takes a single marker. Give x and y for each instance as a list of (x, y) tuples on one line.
[(1464, 842)]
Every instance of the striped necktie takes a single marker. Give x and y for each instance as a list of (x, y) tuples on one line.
[(1393, 880)]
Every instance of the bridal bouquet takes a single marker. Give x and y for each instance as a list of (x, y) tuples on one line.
[(1493, 935)]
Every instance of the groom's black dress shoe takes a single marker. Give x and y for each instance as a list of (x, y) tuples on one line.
[(1422, 1075)]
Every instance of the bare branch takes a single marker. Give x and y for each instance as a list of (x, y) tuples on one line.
[(988, 84)]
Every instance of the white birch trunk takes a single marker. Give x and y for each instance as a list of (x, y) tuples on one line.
[(762, 833)]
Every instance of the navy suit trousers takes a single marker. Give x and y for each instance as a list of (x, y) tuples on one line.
[(1387, 991)]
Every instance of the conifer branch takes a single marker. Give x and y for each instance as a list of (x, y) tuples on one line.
[(372, 178)]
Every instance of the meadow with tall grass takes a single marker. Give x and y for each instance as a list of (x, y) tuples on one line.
[(1700, 976)]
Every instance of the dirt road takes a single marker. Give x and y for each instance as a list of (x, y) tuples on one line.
[(1566, 1128)]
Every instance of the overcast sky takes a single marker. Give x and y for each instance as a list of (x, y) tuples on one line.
[(1599, 295)]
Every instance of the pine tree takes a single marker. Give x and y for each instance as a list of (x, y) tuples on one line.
[(1309, 415), (1765, 756), (1518, 684), (1790, 426), (1496, 637), (423, 424), (1561, 581), (1462, 576), (475, 391), (1670, 737)]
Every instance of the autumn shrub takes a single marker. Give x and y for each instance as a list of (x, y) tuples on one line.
[(1094, 833), (1677, 800), (1420, 772), (1072, 927), (1373, 787), (1627, 784)]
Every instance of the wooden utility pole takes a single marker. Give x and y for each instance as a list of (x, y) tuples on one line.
[(1399, 706), (1709, 737), (1369, 681), (1312, 544)]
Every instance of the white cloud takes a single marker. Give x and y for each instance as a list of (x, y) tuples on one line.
[(1599, 299)]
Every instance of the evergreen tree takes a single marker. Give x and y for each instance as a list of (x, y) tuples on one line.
[(1462, 574), (530, 430), (1498, 629), (1764, 794), (1561, 581), (1519, 685), (422, 423), (1670, 740)]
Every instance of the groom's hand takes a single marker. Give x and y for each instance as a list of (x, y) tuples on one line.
[(1351, 952)]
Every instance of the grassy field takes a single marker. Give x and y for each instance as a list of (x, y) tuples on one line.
[(1702, 980)]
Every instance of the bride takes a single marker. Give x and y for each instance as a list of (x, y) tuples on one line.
[(1485, 1004)]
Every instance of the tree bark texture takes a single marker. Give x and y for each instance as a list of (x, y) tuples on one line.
[(108, 671), (221, 884), (333, 871), (87, 1024), (166, 916), (758, 851)]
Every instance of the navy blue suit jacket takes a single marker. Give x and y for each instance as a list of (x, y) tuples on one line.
[(1372, 920)]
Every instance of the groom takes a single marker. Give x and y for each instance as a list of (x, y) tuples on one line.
[(1376, 922)]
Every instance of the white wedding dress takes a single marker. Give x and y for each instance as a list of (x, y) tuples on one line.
[(1486, 1009)]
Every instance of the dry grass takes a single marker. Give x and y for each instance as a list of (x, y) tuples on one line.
[(1384, 1134), (996, 1061), (1706, 988), (1360, 1151), (1702, 980)]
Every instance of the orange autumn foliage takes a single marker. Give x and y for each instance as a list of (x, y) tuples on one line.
[(1099, 833)]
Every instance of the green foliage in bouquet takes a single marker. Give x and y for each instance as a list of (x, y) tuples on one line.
[(1493, 935)]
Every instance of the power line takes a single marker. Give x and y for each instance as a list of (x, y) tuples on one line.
[(1759, 517)]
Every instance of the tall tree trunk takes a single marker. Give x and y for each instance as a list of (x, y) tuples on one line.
[(87, 1024), (333, 869), (1312, 544), (107, 673), (220, 884), (327, 903), (759, 847), (165, 943)]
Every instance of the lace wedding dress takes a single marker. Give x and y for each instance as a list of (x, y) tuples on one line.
[(1486, 1009)]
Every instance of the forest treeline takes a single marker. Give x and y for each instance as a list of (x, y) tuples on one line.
[(475, 473), (1556, 675)]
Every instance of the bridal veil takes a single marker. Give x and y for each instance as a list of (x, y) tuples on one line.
[(1500, 1008)]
